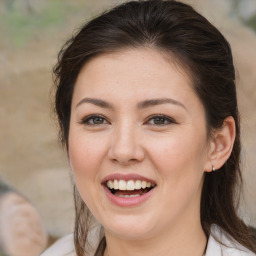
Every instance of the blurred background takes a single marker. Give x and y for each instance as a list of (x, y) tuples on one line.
[(31, 34)]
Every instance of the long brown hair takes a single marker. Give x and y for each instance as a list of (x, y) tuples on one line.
[(178, 30)]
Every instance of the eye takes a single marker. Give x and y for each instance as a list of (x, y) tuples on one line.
[(94, 120), (160, 120)]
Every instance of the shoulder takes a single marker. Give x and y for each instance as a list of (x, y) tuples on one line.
[(221, 244), (63, 247)]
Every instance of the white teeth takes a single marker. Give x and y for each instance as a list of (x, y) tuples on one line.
[(110, 184), (116, 185), (143, 184), (127, 196), (128, 185), (122, 185), (137, 184)]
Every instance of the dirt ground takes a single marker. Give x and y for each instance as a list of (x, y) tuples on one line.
[(31, 158)]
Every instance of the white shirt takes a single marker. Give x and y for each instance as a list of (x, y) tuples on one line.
[(229, 246), (65, 246)]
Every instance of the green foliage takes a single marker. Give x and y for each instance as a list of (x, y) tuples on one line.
[(20, 25), (252, 22)]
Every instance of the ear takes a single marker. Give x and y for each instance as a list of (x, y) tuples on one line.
[(221, 145)]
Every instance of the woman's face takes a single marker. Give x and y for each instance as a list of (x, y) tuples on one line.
[(136, 122)]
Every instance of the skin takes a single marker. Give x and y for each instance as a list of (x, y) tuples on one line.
[(22, 232), (175, 154)]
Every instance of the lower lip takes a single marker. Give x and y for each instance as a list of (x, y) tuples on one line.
[(128, 201)]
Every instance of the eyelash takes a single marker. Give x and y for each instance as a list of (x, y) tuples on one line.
[(163, 118), (160, 118), (89, 118)]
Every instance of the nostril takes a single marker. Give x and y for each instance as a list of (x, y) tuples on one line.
[(124, 161), (126, 150)]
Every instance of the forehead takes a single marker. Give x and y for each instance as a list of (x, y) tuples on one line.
[(140, 68)]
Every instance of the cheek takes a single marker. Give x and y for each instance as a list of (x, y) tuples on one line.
[(84, 154), (179, 164), (84, 162), (179, 158)]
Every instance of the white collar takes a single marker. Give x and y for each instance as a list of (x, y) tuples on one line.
[(221, 244)]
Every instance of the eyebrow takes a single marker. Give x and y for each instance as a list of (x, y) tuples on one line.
[(155, 102), (97, 102), (140, 105)]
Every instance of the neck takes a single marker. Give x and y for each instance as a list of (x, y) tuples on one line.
[(180, 241)]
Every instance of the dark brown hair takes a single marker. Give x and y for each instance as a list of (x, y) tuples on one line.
[(178, 30)]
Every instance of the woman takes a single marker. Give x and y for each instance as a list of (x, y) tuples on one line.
[(147, 107)]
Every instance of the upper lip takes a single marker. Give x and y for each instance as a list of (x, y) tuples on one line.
[(126, 177)]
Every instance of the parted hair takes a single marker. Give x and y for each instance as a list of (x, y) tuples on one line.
[(194, 43)]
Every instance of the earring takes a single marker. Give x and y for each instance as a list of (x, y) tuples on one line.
[(213, 169)]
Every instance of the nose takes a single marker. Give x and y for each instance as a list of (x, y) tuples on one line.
[(125, 146)]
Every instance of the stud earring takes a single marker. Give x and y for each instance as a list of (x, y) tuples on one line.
[(213, 169)]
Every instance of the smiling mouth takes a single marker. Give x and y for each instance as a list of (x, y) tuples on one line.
[(130, 188)]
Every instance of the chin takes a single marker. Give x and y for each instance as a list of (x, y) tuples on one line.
[(129, 228)]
